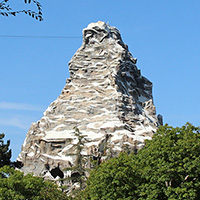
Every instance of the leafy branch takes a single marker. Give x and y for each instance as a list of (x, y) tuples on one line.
[(6, 10)]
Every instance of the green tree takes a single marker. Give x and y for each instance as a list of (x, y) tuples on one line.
[(17, 186), (78, 171), (170, 164), (5, 152), (7, 10), (115, 179), (168, 167)]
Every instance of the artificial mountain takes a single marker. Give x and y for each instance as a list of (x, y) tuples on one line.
[(105, 97)]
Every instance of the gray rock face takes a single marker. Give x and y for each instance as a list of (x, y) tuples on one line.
[(106, 97)]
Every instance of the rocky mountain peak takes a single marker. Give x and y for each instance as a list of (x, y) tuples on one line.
[(105, 97), (97, 32)]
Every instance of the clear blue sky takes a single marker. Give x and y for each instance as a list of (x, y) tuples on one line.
[(163, 35)]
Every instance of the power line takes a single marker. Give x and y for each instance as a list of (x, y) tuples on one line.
[(45, 36)]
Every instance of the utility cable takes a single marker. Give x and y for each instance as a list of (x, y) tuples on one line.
[(45, 36)]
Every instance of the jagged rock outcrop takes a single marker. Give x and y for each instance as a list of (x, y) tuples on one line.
[(106, 97)]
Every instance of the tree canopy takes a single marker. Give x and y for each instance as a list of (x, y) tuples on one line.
[(15, 185), (168, 167), (114, 179)]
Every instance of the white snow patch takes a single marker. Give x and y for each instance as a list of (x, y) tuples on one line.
[(59, 134), (36, 145), (94, 125), (67, 148), (110, 124), (118, 135), (32, 147), (117, 148), (42, 160), (60, 157), (30, 154), (89, 144)]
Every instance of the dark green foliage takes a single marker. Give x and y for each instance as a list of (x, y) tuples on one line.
[(80, 161), (114, 179), (17, 186), (6, 10), (5, 153), (168, 167), (170, 163)]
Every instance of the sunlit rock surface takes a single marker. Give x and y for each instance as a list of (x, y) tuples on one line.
[(106, 97)]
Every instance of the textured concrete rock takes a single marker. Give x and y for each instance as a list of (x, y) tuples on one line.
[(106, 97)]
